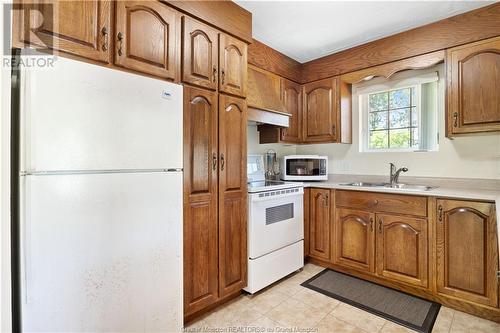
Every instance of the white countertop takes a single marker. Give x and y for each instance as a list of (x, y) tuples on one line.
[(475, 189)]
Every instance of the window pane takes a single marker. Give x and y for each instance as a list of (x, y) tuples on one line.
[(414, 116), (400, 118), (415, 138), (399, 138), (378, 120), (413, 96), (399, 98), (379, 101), (378, 140)]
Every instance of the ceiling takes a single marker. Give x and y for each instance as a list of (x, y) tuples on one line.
[(306, 30)]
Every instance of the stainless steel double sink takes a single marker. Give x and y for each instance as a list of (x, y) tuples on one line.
[(399, 186)]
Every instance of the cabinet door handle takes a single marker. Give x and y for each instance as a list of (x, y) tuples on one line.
[(326, 200), (440, 213), (222, 162), (455, 117), (333, 130), (380, 226), (215, 73), (371, 223), (214, 161), (120, 41), (222, 75), (283, 133), (104, 32)]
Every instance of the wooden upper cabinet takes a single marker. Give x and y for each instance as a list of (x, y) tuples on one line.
[(146, 38), (200, 62), (320, 111), (80, 28), (264, 90), (354, 239), (467, 251), (232, 66), (292, 100), (200, 199), (473, 87), (319, 224), (232, 195), (402, 249)]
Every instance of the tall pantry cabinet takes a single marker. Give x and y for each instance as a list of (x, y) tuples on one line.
[(214, 69)]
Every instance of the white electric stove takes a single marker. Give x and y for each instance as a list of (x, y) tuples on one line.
[(275, 227)]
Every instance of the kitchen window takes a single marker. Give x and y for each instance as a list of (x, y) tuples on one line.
[(399, 115)]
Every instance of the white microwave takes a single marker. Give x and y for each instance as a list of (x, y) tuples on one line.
[(304, 167)]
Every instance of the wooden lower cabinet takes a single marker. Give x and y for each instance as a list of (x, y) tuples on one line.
[(319, 224), (402, 249), (467, 251), (215, 198), (232, 195), (307, 198), (354, 239)]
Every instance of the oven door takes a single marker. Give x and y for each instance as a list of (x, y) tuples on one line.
[(275, 220)]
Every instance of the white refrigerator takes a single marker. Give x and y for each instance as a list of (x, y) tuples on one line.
[(100, 201)]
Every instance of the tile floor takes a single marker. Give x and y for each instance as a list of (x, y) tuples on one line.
[(289, 307)]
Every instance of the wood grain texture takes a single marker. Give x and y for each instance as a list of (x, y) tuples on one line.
[(402, 249), (265, 57), (232, 66), (467, 251), (383, 203), (200, 54), (147, 38), (232, 195), (307, 198), (200, 199), (292, 100), (75, 27), (457, 30), (354, 239), (387, 70), (223, 14), (473, 85), (319, 224), (264, 90)]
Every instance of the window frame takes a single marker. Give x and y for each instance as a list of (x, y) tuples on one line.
[(365, 119)]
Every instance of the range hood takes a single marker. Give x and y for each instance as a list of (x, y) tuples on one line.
[(264, 98)]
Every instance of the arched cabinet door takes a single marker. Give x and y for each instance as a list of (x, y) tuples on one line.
[(319, 224), (402, 249), (467, 251), (473, 87), (232, 66), (354, 239), (80, 28), (199, 54), (146, 37), (292, 99), (200, 199), (232, 195), (320, 111)]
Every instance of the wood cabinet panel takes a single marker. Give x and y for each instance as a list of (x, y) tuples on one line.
[(320, 111), (232, 195), (200, 61), (200, 199), (292, 99), (319, 224), (307, 196), (467, 251), (147, 34), (80, 28), (381, 202), (264, 90), (473, 86), (402, 249), (354, 239), (232, 66)]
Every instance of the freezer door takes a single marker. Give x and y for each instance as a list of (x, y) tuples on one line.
[(102, 253), (79, 116)]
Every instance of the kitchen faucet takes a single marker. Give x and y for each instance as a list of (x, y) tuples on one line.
[(394, 174)]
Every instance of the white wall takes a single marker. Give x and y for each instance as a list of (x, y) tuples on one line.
[(473, 156), (5, 309)]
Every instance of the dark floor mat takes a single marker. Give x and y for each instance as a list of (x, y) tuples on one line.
[(407, 310)]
